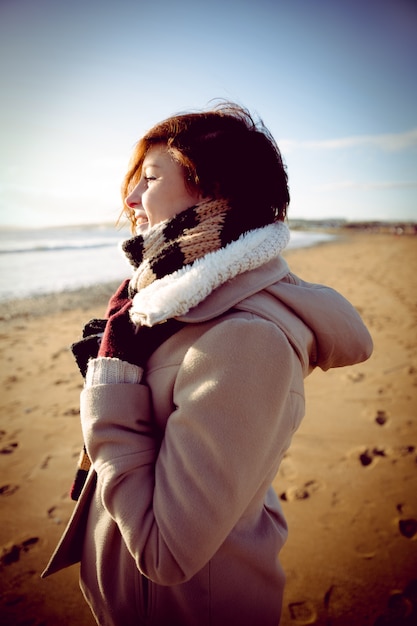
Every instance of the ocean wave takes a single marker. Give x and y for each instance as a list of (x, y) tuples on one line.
[(56, 246)]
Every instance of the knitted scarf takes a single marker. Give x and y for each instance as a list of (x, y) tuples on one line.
[(180, 261), (176, 242)]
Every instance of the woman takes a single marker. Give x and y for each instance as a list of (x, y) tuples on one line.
[(197, 387)]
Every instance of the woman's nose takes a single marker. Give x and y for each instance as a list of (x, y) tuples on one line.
[(134, 198)]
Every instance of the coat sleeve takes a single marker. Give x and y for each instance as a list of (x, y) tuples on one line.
[(176, 504)]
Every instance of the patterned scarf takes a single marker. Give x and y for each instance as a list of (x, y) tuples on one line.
[(180, 261), (177, 242)]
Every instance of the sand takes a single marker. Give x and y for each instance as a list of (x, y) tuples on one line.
[(348, 484)]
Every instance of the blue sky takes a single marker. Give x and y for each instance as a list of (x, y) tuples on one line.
[(334, 80)]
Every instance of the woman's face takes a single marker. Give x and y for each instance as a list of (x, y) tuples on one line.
[(161, 192)]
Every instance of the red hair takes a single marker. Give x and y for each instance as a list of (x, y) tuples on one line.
[(224, 154)]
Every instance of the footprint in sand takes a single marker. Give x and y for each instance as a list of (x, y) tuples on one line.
[(301, 493), (8, 490), (74, 411), (10, 446), (406, 450), (366, 551), (11, 553), (355, 377), (369, 455), (302, 612), (54, 514), (408, 527), (10, 381), (45, 462), (381, 418), (401, 608)]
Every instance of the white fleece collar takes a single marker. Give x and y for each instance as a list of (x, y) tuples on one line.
[(175, 294)]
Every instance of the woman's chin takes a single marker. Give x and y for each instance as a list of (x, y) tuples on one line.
[(141, 228)]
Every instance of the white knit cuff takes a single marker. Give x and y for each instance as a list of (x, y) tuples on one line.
[(107, 370)]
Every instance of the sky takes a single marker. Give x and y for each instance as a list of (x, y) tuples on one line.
[(335, 81)]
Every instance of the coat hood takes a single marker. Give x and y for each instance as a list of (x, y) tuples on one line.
[(322, 326)]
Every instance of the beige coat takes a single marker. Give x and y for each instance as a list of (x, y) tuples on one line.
[(183, 527)]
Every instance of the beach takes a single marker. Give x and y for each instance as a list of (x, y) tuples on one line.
[(348, 484)]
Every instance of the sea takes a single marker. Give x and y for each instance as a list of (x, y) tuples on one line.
[(35, 262)]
